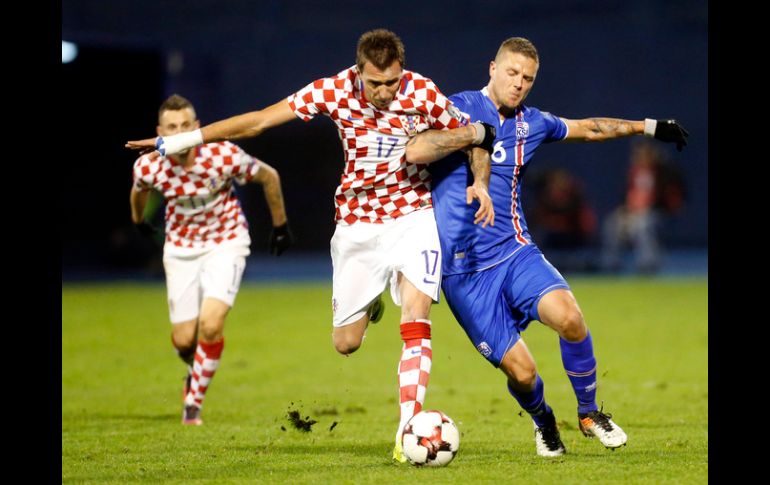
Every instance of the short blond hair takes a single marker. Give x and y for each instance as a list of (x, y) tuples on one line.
[(518, 45)]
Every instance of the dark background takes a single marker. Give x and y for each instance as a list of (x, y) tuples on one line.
[(597, 58)]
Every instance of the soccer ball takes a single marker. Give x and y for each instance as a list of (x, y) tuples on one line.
[(430, 438)]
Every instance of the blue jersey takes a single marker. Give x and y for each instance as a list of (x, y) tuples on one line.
[(467, 247)]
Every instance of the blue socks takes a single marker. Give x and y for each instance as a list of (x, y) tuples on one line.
[(533, 402), (580, 365)]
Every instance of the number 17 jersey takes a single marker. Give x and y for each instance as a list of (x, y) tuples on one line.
[(377, 185)]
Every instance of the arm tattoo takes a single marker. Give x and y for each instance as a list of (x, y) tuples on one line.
[(480, 165), (605, 128), (441, 143)]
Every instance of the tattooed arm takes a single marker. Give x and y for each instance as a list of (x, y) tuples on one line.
[(600, 129), (432, 145), (480, 164)]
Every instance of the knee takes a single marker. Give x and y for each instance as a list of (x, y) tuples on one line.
[(522, 375), (573, 327), (210, 329), (184, 346), (346, 344), (523, 379), (184, 342)]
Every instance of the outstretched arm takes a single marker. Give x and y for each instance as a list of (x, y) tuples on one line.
[(240, 126), (432, 145), (600, 129)]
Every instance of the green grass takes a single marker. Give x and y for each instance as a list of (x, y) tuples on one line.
[(121, 392)]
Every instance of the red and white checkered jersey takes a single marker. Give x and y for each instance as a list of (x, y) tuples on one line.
[(377, 184), (201, 207)]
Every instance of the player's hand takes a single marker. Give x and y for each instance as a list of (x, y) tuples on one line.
[(151, 146), (149, 232), (669, 131), (489, 137), (280, 239), (486, 210)]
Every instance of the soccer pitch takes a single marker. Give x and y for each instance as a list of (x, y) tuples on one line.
[(122, 386)]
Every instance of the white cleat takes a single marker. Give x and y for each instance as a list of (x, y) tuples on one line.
[(547, 440), (599, 424)]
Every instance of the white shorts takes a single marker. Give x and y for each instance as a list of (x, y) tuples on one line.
[(367, 256), (214, 274)]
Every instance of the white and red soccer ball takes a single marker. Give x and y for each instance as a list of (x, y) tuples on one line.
[(430, 438)]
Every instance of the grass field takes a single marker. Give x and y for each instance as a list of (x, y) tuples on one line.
[(122, 383)]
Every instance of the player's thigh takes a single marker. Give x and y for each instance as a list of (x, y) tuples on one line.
[(221, 274), (529, 277), (415, 304), (477, 303), (414, 251), (182, 287), (359, 271)]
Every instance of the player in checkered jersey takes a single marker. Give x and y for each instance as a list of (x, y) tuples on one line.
[(207, 239), (386, 232), (497, 281)]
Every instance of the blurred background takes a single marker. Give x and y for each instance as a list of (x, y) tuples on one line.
[(619, 207)]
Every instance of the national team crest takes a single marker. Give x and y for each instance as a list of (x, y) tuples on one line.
[(409, 122), (522, 129), (484, 349)]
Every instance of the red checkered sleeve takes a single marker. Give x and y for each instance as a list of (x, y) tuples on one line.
[(320, 96), (244, 167), (144, 174), (441, 113)]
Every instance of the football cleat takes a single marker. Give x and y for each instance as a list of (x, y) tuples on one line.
[(191, 416), (599, 424), (376, 310), (547, 439), (187, 384), (398, 452)]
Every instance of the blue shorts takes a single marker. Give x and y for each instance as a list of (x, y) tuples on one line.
[(495, 305)]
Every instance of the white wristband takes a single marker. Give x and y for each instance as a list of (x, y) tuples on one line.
[(649, 127), (180, 142), (479, 134)]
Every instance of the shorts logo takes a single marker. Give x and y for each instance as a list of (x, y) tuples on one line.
[(335, 306), (485, 349), (522, 129)]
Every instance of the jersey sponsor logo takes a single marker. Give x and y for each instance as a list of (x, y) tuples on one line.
[(522, 129)]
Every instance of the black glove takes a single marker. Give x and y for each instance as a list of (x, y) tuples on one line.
[(489, 137), (147, 230), (671, 131), (280, 240)]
